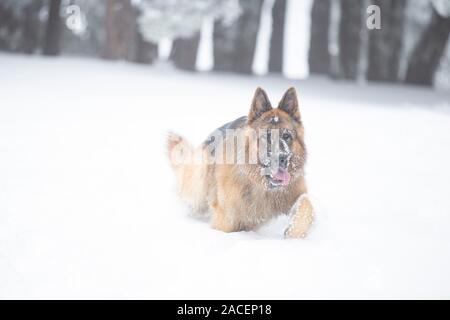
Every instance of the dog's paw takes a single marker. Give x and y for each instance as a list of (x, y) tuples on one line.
[(301, 219)]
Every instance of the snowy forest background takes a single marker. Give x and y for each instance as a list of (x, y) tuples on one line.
[(223, 35)]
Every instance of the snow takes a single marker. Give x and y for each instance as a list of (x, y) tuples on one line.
[(262, 49), (205, 51), (296, 39), (88, 206), (161, 19)]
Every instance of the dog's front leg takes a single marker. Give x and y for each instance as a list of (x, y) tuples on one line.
[(302, 217), (220, 220)]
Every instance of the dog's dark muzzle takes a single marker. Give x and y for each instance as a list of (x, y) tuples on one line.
[(284, 160)]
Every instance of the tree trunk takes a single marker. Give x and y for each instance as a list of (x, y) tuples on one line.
[(350, 38), (385, 44), (31, 35), (234, 45), (120, 25), (428, 52), (53, 32), (184, 52), (319, 56), (6, 25), (277, 39), (146, 52)]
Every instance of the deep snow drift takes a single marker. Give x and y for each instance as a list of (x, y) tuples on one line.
[(88, 206)]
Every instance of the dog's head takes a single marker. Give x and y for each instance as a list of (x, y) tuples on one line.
[(278, 134)]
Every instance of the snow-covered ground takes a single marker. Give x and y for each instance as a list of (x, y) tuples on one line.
[(88, 206)]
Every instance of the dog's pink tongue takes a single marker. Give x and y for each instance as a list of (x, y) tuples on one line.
[(283, 176)]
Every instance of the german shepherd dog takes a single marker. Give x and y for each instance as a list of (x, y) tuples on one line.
[(258, 176)]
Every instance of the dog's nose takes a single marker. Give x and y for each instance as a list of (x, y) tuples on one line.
[(284, 160)]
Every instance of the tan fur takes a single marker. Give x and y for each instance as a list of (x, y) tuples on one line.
[(236, 195), (301, 219)]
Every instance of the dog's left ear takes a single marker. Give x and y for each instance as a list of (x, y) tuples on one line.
[(289, 104), (260, 105)]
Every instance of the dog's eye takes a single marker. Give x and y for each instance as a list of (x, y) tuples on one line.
[(286, 136)]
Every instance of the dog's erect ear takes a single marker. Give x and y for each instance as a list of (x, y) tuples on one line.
[(260, 104), (289, 104)]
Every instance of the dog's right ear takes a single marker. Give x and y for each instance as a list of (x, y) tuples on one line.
[(260, 105), (289, 104)]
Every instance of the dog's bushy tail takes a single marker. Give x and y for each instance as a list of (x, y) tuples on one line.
[(192, 182), (178, 149)]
